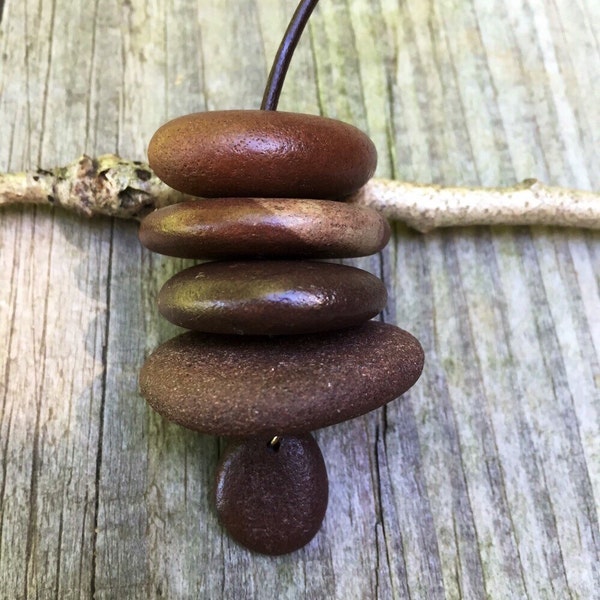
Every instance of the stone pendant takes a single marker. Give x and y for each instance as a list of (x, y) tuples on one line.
[(271, 493), (280, 344)]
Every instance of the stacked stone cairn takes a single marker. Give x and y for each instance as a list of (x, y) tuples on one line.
[(281, 342)]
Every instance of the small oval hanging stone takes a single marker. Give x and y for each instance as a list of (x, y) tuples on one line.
[(272, 498)]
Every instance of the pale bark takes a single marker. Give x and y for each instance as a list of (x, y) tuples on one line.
[(426, 207)]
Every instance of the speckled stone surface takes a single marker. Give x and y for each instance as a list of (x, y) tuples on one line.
[(270, 154), (271, 297), (242, 386), (272, 498), (264, 227)]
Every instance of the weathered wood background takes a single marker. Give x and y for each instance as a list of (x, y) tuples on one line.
[(484, 481)]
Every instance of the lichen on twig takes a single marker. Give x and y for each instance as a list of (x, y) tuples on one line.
[(108, 185), (115, 187)]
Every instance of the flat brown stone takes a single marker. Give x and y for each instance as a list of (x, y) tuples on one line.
[(272, 498), (243, 386), (271, 297), (268, 154), (264, 227)]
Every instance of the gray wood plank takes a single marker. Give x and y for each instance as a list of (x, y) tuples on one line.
[(483, 481)]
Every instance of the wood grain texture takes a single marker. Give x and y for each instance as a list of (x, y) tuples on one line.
[(484, 480)]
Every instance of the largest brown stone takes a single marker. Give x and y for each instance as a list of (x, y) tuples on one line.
[(240, 386), (269, 154)]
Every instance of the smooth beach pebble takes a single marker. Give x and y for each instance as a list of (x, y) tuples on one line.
[(272, 498), (264, 227), (242, 386), (271, 297), (262, 153)]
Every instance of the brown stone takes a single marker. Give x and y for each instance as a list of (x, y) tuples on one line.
[(268, 154), (264, 227), (242, 386), (272, 498), (271, 297)]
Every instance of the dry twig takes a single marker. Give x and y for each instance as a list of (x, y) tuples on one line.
[(116, 187), (108, 185), (425, 207)]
